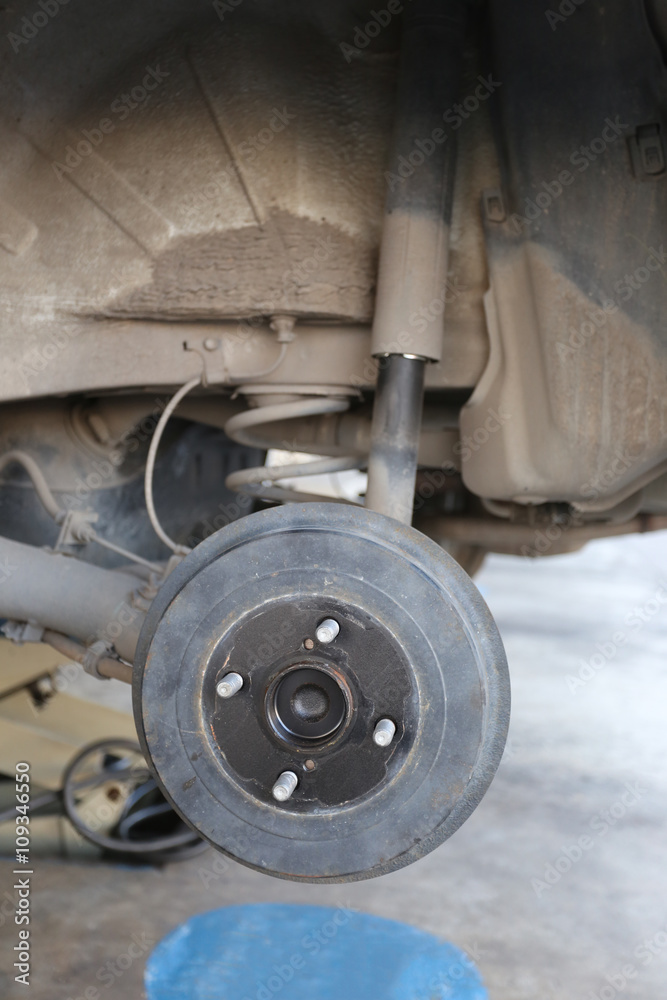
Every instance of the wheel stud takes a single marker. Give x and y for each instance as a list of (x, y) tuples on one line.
[(327, 631), (229, 685), (284, 786), (384, 732)]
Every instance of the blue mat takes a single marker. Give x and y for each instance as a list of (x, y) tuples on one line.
[(306, 953)]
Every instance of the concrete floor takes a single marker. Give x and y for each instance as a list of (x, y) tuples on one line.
[(584, 760)]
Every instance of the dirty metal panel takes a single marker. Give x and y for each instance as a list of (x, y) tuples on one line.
[(162, 166), (578, 262)]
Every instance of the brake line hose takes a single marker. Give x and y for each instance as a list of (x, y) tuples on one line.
[(150, 465), (42, 488)]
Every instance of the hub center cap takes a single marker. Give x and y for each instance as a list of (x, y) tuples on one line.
[(307, 704), (310, 703)]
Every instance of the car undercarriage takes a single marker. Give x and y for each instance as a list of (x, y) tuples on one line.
[(305, 309)]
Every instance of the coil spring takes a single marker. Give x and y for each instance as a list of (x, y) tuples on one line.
[(260, 481)]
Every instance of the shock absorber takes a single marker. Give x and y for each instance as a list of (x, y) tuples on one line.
[(415, 247)]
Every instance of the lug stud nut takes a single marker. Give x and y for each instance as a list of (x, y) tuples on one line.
[(284, 786), (327, 631), (384, 732), (229, 685)]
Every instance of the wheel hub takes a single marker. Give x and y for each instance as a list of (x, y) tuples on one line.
[(308, 704), (298, 704), (337, 688)]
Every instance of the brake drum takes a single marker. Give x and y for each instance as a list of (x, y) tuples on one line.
[(322, 692)]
